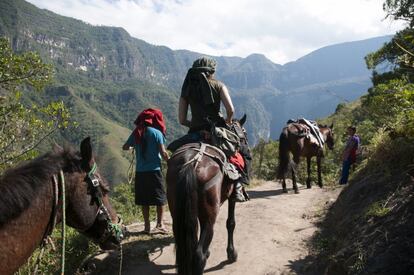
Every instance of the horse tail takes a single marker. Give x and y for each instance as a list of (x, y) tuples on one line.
[(284, 157), (185, 219)]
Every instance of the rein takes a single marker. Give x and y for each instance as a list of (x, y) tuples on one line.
[(52, 224), (130, 173), (113, 229)]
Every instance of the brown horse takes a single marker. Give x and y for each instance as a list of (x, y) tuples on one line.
[(31, 202), (196, 188), (291, 140)]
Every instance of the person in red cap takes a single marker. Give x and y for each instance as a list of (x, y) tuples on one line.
[(148, 140)]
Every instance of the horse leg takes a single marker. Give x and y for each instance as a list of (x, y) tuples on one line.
[(319, 161), (231, 224), (202, 252), (208, 212), (284, 185), (294, 168), (308, 180)]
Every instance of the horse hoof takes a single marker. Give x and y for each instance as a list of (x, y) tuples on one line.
[(232, 257), (296, 191), (308, 186)]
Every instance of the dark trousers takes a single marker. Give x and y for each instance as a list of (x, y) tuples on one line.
[(346, 165)]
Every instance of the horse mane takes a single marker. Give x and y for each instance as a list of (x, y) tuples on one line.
[(20, 185)]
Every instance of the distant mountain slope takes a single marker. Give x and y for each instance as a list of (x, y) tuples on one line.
[(113, 76)]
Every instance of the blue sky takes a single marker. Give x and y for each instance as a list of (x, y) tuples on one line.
[(283, 30)]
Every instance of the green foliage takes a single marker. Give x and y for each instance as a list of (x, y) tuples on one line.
[(358, 259), (265, 159), (23, 127), (390, 101), (391, 104), (400, 10), (399, 53), (123, 200), (26, 68), (377, 209)]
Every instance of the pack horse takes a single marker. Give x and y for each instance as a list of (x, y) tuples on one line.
[(297, 139)]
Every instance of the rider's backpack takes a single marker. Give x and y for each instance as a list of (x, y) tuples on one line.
[(225, 139)]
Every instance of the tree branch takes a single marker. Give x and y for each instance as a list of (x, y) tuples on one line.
[(29, 148), (405, 50)]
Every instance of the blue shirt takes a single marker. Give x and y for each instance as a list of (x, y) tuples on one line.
[(150, 160)]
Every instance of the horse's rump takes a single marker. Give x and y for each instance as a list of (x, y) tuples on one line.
[(191, 172)]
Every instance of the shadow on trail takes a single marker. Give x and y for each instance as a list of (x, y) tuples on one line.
[(263, 194), (218, 267), (135, 257), (302, 266)]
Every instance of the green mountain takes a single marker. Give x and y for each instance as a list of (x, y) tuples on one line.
[(107, 77)]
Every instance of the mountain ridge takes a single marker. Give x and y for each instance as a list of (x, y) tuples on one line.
[(116, 75)]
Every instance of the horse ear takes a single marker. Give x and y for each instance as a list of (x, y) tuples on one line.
[(86, 149), (56, 148), (331, 126), (243, 120)]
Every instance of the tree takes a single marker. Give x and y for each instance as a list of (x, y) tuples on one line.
[(391, 99), (24, 126), (400, 10)]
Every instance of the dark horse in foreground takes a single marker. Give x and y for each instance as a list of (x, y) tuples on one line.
[(196, 189), (31, 204), (293, 141)]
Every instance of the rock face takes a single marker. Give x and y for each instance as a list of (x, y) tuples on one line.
[(116, 75)]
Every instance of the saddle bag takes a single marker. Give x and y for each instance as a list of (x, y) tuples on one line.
[(225, 140)]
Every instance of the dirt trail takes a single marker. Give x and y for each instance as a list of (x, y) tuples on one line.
[(270, 237)]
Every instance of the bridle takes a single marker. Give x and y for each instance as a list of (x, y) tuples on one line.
[(102, 214), (236, 128), (328, 136), (94, 189)]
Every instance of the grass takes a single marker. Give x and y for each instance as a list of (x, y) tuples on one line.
[(358, 259), (377, 209), (255, 182)]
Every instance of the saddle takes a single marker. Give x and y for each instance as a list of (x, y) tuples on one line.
[(203, 149), (308, 129)]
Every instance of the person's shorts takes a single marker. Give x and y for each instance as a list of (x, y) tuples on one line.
[(149, 188)]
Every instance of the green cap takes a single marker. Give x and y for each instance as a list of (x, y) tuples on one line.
[(205, 62)]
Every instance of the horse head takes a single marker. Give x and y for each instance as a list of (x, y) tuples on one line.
[(89, 210), (328, 133), (237, 127)]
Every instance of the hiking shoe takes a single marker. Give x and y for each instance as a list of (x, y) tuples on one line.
[(237, 195)]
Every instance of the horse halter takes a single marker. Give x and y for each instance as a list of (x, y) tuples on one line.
[(112, 229)]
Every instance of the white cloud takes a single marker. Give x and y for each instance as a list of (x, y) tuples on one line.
[(283, 30)]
